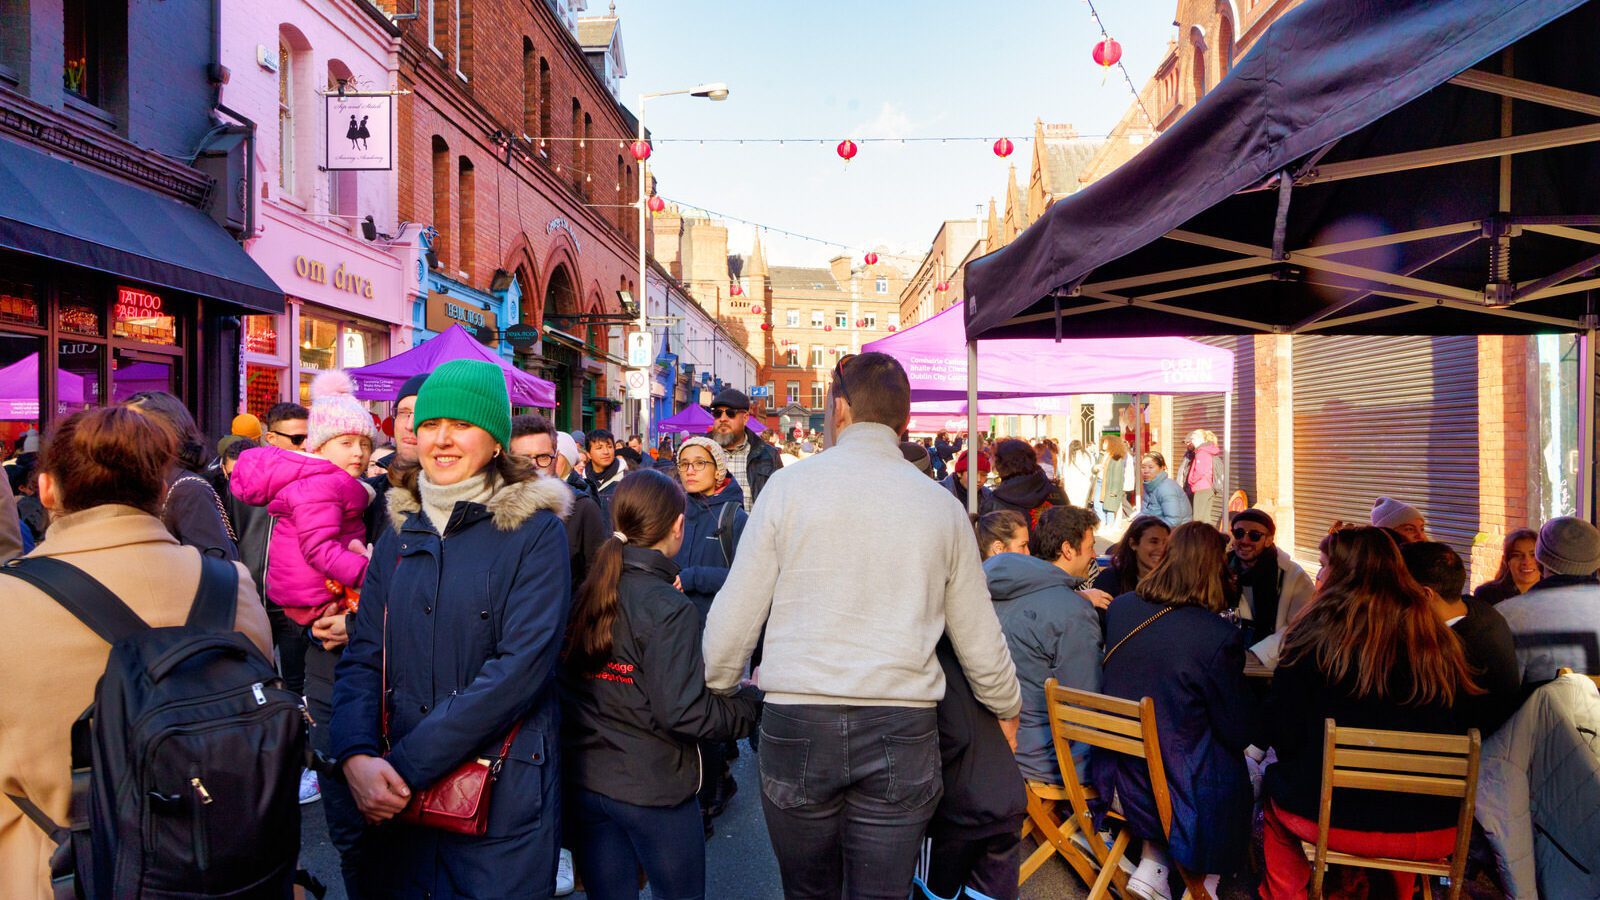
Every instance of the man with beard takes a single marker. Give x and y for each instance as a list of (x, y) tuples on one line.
[(751, 460), (1272, 586), (606, 468)]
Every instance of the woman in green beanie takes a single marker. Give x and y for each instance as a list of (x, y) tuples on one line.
[(468, 592)]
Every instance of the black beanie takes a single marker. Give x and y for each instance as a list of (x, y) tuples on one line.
[(1257, 516), (411, 387)]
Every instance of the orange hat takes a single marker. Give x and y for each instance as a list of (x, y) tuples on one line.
[(246, 425)]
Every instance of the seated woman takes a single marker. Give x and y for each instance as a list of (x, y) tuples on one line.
[(1169, 641), (1001, 531), (1141, 549), (1518, 569), (1369, 652)]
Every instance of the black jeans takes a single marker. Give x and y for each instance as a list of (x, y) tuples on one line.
[(986, 866), (848, 792), (612, 839), (347, 828), (291, 640)]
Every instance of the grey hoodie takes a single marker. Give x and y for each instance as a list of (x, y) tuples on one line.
[(1053, 632)]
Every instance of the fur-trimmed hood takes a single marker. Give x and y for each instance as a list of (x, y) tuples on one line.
[(510, 506)]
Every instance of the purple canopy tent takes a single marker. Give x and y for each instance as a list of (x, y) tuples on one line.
[(136, 378), (19, 389), (381, 380), (1028, 376), (693, 419)]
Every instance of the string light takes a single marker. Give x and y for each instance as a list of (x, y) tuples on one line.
[(856, 250)]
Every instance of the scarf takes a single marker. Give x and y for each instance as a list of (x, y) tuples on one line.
[(439, 501)]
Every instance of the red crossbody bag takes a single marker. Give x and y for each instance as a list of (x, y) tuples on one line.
[(459, 801)]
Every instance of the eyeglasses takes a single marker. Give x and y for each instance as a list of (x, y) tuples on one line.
[(838, 376), (295, 439), (723, 412), (695, 465), (1246, 534), (543, 460), (405, 416)]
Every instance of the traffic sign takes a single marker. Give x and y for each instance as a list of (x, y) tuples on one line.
[(638, 385), (759, 390), (640, 353)]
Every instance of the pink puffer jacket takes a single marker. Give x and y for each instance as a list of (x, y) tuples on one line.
[(1202, 473), (319, 510)]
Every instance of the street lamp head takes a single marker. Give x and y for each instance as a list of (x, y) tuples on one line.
[(715, 90)]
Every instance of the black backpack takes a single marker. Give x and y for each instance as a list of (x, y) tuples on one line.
[(186, 767)]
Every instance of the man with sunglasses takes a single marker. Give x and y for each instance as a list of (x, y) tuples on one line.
[(284, 426), (856, 564), (751, 461), (1272, 585)]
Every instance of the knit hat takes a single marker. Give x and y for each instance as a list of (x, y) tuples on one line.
[(917, 455), (1258, 516), (961, 462), (567, 448), (468, 390), (1568, 546), (412, 386), (1390, 513), (246, 426), (335, 410), (719, 456), (228, 440)]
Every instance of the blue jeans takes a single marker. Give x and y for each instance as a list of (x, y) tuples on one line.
[(612, 839), (848, 792)]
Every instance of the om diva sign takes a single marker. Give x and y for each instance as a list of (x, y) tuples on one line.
[(343, 279)]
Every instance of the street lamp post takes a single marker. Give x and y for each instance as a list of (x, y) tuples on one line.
[(713, 91)]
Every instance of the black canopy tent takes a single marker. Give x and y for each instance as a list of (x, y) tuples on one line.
[(1371, 167)]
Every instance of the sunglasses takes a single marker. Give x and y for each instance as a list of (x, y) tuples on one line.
[(723, 412), (838, 376), (295, 439), (1246, 534)]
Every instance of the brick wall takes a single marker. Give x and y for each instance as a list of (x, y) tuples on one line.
[(1504, 447)]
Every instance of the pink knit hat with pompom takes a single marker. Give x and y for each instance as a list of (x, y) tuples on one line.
[(335, 410)]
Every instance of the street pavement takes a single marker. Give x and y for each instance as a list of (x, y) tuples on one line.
[(739, 860)]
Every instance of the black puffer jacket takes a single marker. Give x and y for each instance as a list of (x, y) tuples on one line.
[(630, 730), (1025, 493)]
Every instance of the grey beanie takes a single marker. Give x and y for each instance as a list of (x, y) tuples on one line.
[(719, 456), (1390, 513), (1568, 546)]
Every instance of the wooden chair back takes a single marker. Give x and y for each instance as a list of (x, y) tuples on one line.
[(1405, 762), (1110, 723)]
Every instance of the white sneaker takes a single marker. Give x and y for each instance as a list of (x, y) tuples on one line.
[(1149, 880), (310, 789), (564, 880)]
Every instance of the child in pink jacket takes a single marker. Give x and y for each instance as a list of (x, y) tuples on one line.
[(318, 502)]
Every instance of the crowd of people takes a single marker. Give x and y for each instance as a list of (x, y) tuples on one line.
[(590, 627)]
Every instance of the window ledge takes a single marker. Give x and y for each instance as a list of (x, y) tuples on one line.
[(436, 51), (81, 108), (9, 75)]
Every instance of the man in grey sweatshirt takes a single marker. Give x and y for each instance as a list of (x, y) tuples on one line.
[(856, 564)]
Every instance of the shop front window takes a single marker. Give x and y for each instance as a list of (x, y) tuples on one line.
[(261, 335), (263, 386), (78, 312), (20, 385), (19, 302), (133, 372), (78, 375), (319, 343), (143, 316), (1553, 411), (362, 348)]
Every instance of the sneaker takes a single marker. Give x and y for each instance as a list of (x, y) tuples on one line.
[(1149, 881), (564, 882), (310, 789)]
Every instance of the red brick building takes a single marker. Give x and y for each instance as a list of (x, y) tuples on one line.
[(513, 148)]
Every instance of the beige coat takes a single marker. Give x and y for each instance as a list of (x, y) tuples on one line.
[(50, 662)]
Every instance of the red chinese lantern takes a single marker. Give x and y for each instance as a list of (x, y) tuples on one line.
[(736, 290), (641, 150), (755, 308), (943, 286), (861, 323), (388, 426), (656, 204), (1107, 53), (766, 326), (827, 328), (870, 259), (847, 149), (892, 328), (1003, 148)]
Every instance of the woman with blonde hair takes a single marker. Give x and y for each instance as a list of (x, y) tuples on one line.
[(1369, 652), (1168, 641)]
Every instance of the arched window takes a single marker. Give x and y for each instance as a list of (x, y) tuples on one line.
[(530, 90), (1199, 73), (466, 196), (575, 157), (545, 111), (441, 198), (622, 211), (587, 147), (1225, 46), (294, 54)]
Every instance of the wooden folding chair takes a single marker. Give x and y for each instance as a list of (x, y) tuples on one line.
[(1406, 762), (1054, 832), (1120, 726)]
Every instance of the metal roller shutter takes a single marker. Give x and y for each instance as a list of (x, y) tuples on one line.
[(1195, 411), (1385, 416)]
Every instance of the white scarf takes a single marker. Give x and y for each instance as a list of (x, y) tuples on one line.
[(439, 501)]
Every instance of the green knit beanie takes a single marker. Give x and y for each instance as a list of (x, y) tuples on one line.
[(468, 390)]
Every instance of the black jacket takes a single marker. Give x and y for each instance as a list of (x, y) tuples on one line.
[(983, 790), (1492, 654), (630, 730), (763, 461), (985, 496), (193, 513), (586, 531), (1025, 493)]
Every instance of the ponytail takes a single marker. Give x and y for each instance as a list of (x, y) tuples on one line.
[(645, 507)]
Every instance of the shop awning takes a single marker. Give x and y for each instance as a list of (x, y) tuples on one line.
[(1369, 167), (71, 214)]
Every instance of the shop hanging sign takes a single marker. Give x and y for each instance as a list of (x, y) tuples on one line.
[(360, 132), (342, 279), (444, 310)]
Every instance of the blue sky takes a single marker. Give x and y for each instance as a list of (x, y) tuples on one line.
[(831, 69)]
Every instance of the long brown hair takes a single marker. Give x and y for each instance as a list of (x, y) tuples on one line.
[(1125, 555), (645, 507), (1504, 576), (1192, 571), (1370, 617)]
